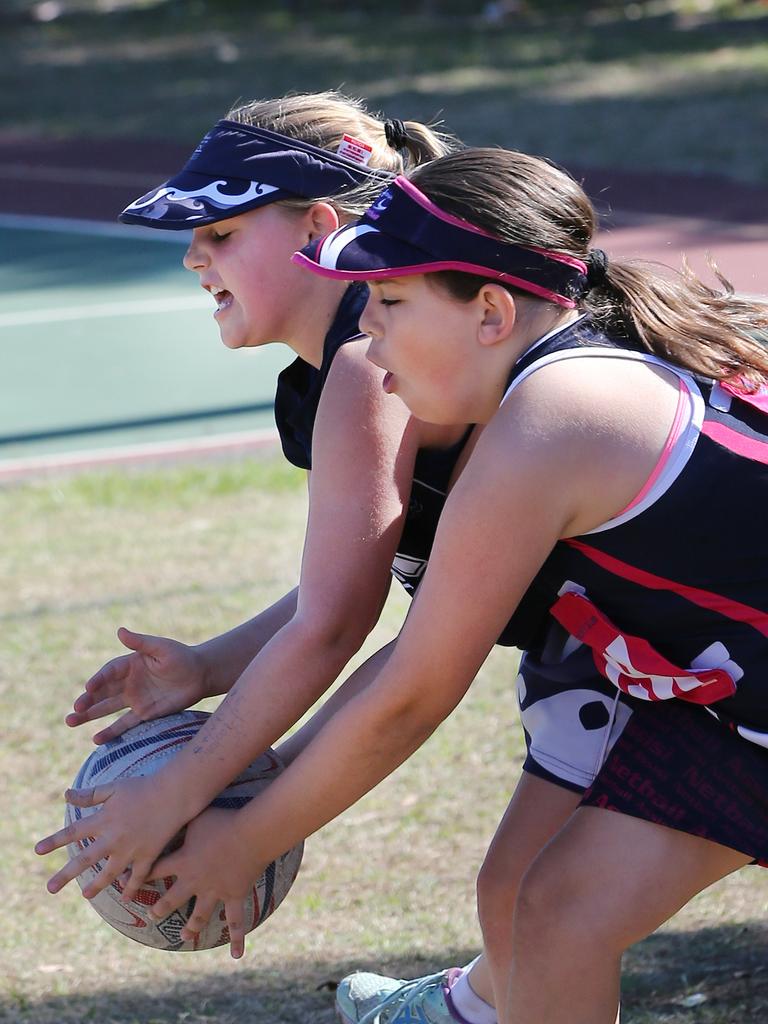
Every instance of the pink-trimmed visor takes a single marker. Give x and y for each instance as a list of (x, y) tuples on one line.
[(404, 233)]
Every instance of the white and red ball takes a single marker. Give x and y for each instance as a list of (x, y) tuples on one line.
[(142, 751)]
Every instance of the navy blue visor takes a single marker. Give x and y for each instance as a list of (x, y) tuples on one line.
[(236, 168), (405, 233)]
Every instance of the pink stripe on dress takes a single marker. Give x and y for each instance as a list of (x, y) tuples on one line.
[(748, 447), (703, 598), (679, 425)]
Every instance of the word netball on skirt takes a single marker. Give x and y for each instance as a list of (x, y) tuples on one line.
[(677, 765)]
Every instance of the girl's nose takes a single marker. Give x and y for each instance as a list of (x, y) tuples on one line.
[(194, 257), (367, 321)]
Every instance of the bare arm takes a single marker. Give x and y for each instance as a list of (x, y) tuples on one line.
[(363, 455), (475, 576), (363, 458), (558, 461), (225, 657), (361, 678)]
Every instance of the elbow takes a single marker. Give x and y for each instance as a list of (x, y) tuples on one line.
[(402, 727), (411, 712), (331, 635)]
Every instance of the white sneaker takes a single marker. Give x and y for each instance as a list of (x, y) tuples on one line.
[(361, 992), (421, 1001)]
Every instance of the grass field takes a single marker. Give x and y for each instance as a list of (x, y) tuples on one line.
[(671, 85), (189, 551)]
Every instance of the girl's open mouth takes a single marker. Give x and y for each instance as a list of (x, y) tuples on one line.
[(222, 297)]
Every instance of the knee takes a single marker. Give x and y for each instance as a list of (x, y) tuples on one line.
[(545, 912), (562, 911)]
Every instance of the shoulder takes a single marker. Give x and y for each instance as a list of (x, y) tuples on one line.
[(350, 356), (589, 396), (585, 432), (356, 419), (353, 382)]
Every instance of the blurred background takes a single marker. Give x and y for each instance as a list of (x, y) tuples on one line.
[(659, 107), (663, 85)]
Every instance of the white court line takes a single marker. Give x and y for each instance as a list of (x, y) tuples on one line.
[(79, 226), (217, 443), (134, 307), (19, 468), (94, 227)]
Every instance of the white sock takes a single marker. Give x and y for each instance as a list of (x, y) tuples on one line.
[(468, 1003)]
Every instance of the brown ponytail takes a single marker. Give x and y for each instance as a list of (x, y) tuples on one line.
[(531, 202), (713, 332)]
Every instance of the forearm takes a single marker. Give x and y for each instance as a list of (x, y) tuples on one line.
[(224, 658), (421, 678), (359, 746), (290, 673), (360, 679)]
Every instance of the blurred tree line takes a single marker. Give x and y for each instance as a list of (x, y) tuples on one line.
[(493, 10)]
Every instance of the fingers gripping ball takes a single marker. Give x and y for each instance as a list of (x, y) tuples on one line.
[(142, 751)]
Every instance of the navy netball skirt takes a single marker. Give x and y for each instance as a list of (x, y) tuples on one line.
[(676, 765)]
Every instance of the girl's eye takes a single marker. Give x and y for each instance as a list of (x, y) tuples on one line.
[(389, 302), (220, 236)]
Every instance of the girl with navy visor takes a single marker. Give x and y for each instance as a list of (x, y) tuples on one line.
[(263, 182), (253, 180), (626, 453)]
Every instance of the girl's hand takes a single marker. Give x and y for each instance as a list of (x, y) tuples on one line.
[(213, 865), (132, 827), (161, 677)]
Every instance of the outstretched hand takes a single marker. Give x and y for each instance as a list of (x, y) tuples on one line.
[(160, 676), (132, 828), (213, 865)]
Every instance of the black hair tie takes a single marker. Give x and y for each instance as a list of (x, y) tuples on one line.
[(396, 135), (597, 269)]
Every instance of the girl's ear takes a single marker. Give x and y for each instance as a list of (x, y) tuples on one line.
[(321, 219), (498, 314)]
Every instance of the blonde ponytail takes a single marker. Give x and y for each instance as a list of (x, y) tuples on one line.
[(324, 118)]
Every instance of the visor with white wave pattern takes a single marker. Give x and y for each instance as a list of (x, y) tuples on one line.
[(405, 233), (236, 168)]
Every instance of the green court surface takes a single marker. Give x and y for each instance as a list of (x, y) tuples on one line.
[(106, 341)]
